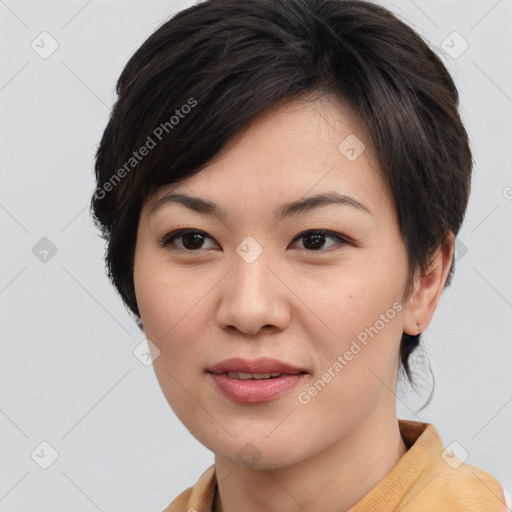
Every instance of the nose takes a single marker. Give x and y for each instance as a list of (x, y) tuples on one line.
[(253, 298)]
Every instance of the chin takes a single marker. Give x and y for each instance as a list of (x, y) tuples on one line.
[(250, 453)]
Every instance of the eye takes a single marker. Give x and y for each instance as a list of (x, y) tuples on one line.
[(192, 240), (316, 239)]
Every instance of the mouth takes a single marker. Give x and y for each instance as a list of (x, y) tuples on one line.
[(256, 369), (249, 388), (255, 376), (255, 381)]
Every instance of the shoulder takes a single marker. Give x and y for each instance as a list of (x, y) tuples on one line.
[(431, 477), (180, 502), (448, 481), (199, 497), (467, 486)]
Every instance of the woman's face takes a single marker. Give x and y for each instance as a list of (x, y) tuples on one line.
[(256, 281)]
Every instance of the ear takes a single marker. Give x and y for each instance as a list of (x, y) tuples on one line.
[(428, 288)]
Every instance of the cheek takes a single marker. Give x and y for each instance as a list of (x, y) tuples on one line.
[(173, 311), (174, 319), (351, 301), (357, 367), (364, 329)]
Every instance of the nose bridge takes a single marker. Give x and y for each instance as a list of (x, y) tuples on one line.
[(253, 296), (250, 273)]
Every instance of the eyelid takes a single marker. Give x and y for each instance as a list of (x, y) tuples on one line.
[(341, 239), (168, 238), (173, 235)]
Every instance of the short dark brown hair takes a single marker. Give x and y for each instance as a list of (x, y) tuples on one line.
[(204, 74)]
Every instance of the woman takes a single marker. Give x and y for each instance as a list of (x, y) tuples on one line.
[(280, 185)]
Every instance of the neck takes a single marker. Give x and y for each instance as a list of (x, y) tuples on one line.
[(333, 480)]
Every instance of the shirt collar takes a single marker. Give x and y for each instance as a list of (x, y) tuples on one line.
[(422, 436)]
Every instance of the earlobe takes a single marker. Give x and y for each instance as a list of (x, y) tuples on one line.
[(413, 318), (427, 290)]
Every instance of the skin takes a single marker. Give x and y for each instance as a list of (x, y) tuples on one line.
[(293, 303)]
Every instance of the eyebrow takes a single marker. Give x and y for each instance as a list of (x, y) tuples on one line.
[(285, 210)]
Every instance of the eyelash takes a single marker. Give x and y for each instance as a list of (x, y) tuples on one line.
[(170, 237)]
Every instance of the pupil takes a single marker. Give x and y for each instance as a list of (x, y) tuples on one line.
[(198, 239), (316, 244)]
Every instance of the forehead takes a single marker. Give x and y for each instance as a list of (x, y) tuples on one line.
[(292, 150)]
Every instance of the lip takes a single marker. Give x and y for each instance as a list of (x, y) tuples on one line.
[(261, 365), (252, 390)]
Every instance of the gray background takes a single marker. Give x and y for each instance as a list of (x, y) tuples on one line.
[(68, 374)]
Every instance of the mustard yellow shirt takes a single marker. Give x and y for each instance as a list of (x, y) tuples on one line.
[(426, 479)]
